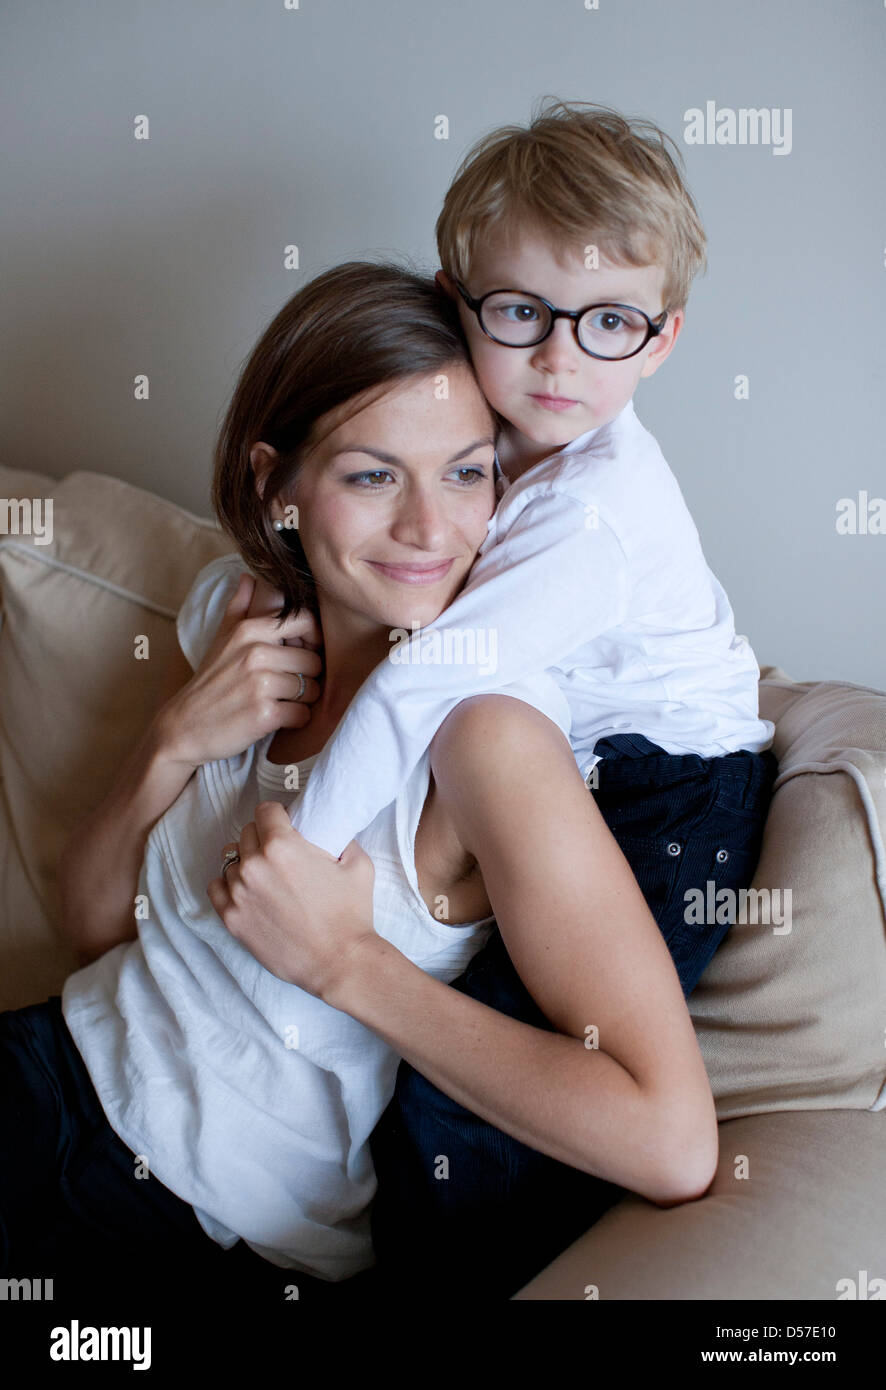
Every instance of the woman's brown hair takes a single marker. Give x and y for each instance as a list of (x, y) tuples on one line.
[(358, 328)]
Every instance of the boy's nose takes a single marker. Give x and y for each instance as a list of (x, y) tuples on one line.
[(559, 352)]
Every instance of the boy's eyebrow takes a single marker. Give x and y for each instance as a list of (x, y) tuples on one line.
[(615, 298), (392, 458)]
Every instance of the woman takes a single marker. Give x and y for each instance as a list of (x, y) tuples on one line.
[(243, 1064)]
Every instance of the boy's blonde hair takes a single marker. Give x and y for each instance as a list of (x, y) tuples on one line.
[(578, 175)]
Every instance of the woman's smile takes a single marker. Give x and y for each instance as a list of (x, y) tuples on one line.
[(413, 574)]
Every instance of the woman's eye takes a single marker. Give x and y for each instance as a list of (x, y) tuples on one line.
[(369, 479), (373, 478)]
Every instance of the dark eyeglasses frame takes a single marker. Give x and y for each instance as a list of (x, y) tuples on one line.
[(653, 326)]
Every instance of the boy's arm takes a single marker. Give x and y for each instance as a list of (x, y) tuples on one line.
[(551, 585)]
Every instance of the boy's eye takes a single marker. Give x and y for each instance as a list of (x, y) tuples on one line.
[(517, 313), (614, 320), (609, 321)]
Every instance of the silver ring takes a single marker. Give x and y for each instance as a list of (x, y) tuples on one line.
[(304, 686), (232, 856)]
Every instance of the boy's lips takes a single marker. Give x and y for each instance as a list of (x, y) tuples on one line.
[(414, 574), (554, 402)]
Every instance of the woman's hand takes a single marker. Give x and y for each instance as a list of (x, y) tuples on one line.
[(300, 911), (255, 678)]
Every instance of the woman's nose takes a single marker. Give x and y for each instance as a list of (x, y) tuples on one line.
[(420, 520)]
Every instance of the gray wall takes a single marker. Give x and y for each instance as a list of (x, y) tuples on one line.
[(315, 126)]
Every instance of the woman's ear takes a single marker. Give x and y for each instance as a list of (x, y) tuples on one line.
[(263, 458)]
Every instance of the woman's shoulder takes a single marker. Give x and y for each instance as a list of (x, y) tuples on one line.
[(494, 749), (532, 707), (205, 602)]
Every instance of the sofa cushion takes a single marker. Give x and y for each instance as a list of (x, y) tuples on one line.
[(794, 1212), (793, 1020), (77, 685)]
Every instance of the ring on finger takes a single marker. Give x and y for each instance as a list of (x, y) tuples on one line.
[(302, 688), (232, 856)]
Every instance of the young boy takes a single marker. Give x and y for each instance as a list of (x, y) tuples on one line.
[(570, 247)]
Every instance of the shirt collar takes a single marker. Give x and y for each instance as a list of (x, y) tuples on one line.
[(577, 445)]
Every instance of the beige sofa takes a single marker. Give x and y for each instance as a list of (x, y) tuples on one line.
[(792, 1023)]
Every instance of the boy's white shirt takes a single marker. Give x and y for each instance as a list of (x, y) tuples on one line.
[(591, 578)]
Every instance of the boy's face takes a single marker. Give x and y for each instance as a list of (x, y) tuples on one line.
[(519, 381)]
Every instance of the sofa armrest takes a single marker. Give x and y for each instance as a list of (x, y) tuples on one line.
[(796, 1207)]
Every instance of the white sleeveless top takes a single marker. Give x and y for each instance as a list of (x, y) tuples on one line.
[(248, 1097)]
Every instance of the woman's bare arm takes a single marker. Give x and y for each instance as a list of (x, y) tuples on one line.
[(637, 1110), (99, 866), (236, 695)]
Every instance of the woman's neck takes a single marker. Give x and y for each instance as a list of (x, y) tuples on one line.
[(352, 650)]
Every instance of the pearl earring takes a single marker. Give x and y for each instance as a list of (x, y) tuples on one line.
[(278, 525)]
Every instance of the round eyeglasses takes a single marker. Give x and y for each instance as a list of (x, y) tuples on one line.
[(608, 331)]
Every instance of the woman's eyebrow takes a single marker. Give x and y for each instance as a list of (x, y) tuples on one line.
[(392, 458)]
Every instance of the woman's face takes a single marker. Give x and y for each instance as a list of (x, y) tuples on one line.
[(394, 503)]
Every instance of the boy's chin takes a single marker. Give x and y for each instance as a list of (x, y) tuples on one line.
[(547, 426)]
